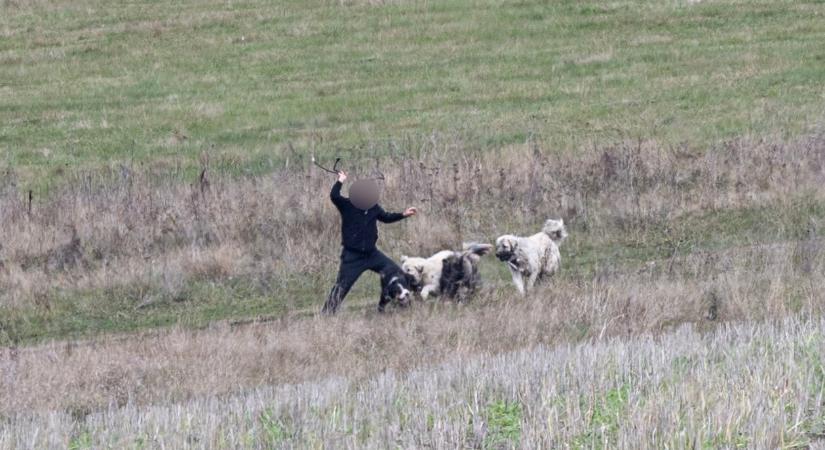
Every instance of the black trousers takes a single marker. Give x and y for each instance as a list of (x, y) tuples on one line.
[(353, 264)]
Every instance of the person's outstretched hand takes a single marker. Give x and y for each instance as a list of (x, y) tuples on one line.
[(342, 176), (410, 212)]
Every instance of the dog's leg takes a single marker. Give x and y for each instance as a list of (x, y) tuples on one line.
[(531, 280), (383, 302), (518, 280), (426, 291), (384, 297)]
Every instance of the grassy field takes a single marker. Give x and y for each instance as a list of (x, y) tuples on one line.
[(165, 243), (85, 84)]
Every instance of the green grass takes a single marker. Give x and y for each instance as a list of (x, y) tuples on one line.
[(133, 308), (503, 425), (87, 83), (604, 415)]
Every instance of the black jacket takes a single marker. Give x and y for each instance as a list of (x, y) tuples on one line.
[(359, 230)]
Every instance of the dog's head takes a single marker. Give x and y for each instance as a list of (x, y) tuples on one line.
[(413, 267), (555, 229), (506, 247), (397, 287)]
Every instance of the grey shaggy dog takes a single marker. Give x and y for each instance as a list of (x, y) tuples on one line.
[(460, 277)]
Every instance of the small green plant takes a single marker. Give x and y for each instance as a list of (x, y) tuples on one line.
[(274, 429), (737, 440), (81, 441), (504, 425), (604, 416)]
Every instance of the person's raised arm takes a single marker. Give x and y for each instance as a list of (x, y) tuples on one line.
[(335, 194)]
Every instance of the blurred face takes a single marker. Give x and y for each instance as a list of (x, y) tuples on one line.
[(364, 194)]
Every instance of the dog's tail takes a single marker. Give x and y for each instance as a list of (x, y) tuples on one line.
[(473, 251), (555, 229), (476, 248)]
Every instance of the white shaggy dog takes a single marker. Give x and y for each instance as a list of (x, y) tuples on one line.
[(426, 273), (530, 258)]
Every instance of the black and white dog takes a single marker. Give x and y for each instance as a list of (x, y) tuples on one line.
[(396, 287)]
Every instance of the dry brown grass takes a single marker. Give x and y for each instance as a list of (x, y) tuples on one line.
[(135, 229)]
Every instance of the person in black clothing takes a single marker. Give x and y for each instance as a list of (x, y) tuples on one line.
[(359, 232)]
